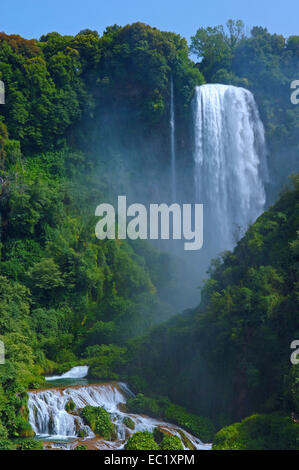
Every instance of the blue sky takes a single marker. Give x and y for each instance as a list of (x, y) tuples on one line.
[(32, 18)]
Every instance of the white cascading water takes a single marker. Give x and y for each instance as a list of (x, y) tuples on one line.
[(172, 142), (78, 372), (50, 420), (230, 162)]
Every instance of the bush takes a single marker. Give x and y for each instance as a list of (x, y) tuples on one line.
[(197, 425), (162, 407), (141, 441), (259, 432), (81, 447), (171, 443), (129, 422), (30, 444), (7, 445), (145, 405), (3, 432), (99, 421), (24, 428), (70, 406)]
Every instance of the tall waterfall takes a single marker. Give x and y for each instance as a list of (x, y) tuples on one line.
[(51, 421), (229, 161), (172, 142)]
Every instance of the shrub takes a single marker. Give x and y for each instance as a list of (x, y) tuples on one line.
[(129, 422), (142, 404), (141, 441), (259, 432), (171, 443), (197, 425), (161, 407), (30, 444), (7, 445), (99, 421), (70, 406), (24, 428), (3, 432)]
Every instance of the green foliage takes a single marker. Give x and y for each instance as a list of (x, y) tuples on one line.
[(145, 405), (259, 432), (129, 422), (239, 338), (141, 441), (162, 407), (147, 441), (81, 447), (100, 422), (171, 443), (197, 425), (7, 444), (45, 275), (30, 444), (66, 297), (105, 360), (70, 406)]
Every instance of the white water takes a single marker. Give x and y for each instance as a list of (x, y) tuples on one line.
[(50, 420), (78, 372), (229, 161), (172, 143)]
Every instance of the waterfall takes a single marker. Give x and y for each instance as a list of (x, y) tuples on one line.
[(50, 420), (78, 372), (229, 162), (47, 408), (172, 143)]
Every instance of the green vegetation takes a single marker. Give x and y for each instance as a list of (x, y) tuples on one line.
[(141, 441), (167, 441), (70, 406), (239, 337), (100, 422), (78, 108), (148, 441), (259, 432), (129, 423), (66, 297), (162, 407), (81, 447), (171, 443)]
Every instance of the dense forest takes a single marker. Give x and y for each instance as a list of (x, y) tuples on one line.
[(85, 118)]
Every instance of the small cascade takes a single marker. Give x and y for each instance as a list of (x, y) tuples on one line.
[(78, 372), (47, 408), (50, 420)]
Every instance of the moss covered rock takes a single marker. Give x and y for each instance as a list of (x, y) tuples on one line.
[(171, 443), (70, 406), (99, 421), (129, 423), (142, 441)]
